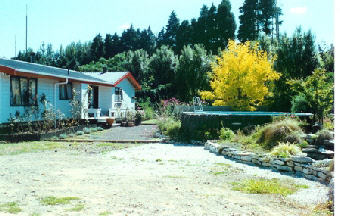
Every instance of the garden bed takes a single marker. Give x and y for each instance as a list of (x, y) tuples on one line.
[(15, 138)]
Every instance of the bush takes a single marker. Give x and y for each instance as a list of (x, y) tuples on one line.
[(285, 150), (79, 133), (226, 134), (93, 129), (169, 127), (62, 136), (87, 130), (174, 130), (100, 129), (281, 131), (300, 104), (293, 138), (323, 135), (71, 135)]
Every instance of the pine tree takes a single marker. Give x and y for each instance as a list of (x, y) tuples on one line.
[(248, 30), (171, 30), (226, 24)]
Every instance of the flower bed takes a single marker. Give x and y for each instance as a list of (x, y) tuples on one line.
[(15, 138)]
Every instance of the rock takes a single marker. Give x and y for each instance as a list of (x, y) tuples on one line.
[(278, 162), (304, 160), (307, 171), (290, 163), (298, 168), (266, 164), (321, 175), (255, 161), (246, 158), (284, 168), (311, 177)]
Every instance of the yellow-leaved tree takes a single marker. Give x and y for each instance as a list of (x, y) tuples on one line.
[(241, 77)]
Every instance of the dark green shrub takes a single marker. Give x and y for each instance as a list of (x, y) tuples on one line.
[(300, 104)]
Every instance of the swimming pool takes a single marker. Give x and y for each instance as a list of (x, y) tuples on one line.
[(196, 124), (249, 113)]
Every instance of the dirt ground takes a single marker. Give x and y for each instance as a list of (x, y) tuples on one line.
[(157, 179)]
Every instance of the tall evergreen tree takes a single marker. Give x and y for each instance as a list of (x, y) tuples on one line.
[(201, 26), (211, 40), (171, 30), (108, 46), (97, 48), (129, 39), (183, 36), (248, 29), (226, 23), (267, 14)]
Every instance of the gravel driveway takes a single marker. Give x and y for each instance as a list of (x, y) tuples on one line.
[(152, 179)]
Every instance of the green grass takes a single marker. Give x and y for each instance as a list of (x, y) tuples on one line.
[(116, 146), (150, 121), (10, 207), (29, 147), (105, 213), (173, 176), (51, 200), (267, 186), (77, 208)]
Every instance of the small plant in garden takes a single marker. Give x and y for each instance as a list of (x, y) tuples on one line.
[(304, 144), (87, 130), (93, 130), (62, 136), (100, 129), (323, 135), (271, 134), (79, 133), (285, 150), (226, 134), (71, 135)]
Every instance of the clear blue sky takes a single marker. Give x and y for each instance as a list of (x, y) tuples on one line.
[(63, 21)]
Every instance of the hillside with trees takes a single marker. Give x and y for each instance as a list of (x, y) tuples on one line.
[(175, 62)]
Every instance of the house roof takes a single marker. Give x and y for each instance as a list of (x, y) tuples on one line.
[(115, 78), (20, 68)]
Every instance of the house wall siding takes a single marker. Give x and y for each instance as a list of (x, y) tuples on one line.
[(105, 99), (128, 94), (45, 86)]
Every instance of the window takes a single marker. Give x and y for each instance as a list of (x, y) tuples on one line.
[(23, 91), (119, 94), (65, 91)]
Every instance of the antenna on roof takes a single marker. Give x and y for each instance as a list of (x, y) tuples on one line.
[(15, 47), (26, 29)]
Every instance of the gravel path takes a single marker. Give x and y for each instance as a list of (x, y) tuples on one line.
[(153, 179), (141, 132)]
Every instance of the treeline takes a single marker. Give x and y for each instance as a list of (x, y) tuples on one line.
[(214, 26), (174, 63)]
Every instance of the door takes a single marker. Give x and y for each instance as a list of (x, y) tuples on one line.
[(93, 97)]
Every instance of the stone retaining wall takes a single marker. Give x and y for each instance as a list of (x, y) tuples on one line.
[(300, 166)]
